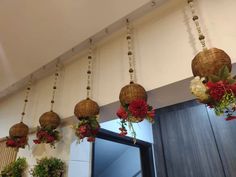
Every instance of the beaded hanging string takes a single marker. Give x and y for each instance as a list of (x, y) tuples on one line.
[(131, 66), (195, 19), (56, 77), (89, 71), (26, 99), (130, 52)]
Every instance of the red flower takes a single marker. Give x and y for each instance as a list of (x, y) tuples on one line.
[(91, 139), (41, 134), (138, 108), (217, 90), (83, 129), (121, 113), (233, 88), (94, 132), (151, 114), (11, 143), (50, 139), (36, 141), (230, 118), (123, 131)]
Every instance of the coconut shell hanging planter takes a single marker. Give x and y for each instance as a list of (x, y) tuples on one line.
[(133, 99), (19, 130), (209, 61), (132, 92), (18, 136), (49, 121), (87, 110), (213, 83), (18, 133)]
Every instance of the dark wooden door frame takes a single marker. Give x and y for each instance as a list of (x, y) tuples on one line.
[(146, 153)]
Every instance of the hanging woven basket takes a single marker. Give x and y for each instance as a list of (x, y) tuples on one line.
[(86, 108), (49, 120), (209, 62), (132, 92), (19, 130)]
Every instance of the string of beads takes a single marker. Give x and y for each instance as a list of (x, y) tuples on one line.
[(195, 19), (130, 52), (56, 77), (26, 99), (89, 71)]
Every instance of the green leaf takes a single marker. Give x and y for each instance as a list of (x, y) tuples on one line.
[(224, 72), (231, 81), (214, 78)]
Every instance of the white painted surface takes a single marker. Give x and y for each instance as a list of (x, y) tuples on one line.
[(33, 33)]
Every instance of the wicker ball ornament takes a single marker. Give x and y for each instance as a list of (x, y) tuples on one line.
[(208, 62), (49, 120), (19, 130), (86, 108), (132, 92)]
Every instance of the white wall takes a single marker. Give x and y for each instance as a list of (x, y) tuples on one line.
[(56, 25), (164, 47)]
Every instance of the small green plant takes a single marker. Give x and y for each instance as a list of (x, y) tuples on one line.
[(15, 169), (48, 167)]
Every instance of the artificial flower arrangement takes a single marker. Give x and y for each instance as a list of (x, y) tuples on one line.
[(15, 169), (48, 167), (217, 91), (47, 135), (17, 142), (135, 112), (88, 127)]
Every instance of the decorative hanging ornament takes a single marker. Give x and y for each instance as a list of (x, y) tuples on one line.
[(87, 110), (133, 97), (18, 133), (213, 84), (49, 121)]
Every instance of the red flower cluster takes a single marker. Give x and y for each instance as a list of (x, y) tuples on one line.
[(230, 118), (87, 130), (222, 92), (19, 142), (138, 108), (217, 90), (46, 136), (123, 131), (136, 111), (121, 113)]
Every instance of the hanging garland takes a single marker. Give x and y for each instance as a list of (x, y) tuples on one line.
[(133, 97), (87, 110), (213, 83), (49, 121), (18, 133)]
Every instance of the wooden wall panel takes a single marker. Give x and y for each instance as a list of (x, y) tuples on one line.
[(225, 135), (188, 142)]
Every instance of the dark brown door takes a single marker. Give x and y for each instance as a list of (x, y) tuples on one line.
[(185, 144)]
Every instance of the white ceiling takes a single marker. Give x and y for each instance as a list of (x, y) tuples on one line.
[(32, 33)]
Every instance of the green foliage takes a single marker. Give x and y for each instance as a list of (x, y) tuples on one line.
[(226, 102), (15, 169), (48, 167), (223, 75)]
